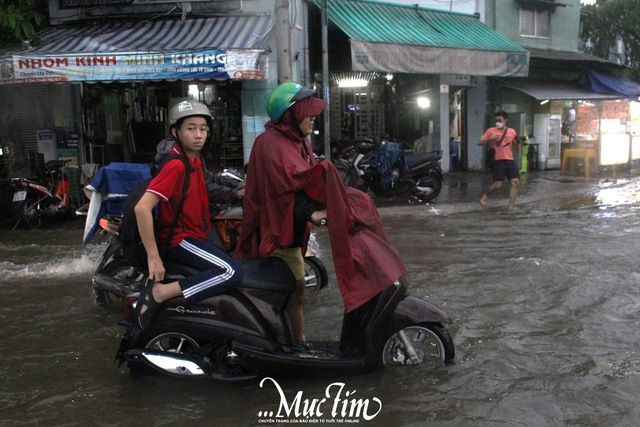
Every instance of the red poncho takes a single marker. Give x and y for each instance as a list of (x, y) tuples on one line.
[(365, 259), (278, 167)]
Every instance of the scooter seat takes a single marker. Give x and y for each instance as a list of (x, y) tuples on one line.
[(416, 159), (271, 274)]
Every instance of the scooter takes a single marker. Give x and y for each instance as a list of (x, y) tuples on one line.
[(115, 277), (47, 197), (419, 174), (245, 332)]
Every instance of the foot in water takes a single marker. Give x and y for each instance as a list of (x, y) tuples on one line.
[(484, 200)]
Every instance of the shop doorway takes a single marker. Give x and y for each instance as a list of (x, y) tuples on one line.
[(126, 121)]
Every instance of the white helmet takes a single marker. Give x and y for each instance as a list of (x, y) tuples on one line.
[(187, 109)]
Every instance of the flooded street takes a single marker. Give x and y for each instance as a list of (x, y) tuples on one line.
[(544, 300)]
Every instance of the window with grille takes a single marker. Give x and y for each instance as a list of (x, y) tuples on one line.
[(534, 20)]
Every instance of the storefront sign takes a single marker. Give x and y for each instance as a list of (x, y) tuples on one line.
[(587, 123), (67, 139), (367, 56), (75, 4), (247, 64)]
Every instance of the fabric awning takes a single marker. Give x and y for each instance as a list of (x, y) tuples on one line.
[(553, 90), (601, 83), (411, 39), (203, 48)]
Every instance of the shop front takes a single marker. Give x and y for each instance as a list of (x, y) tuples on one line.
[(560, 116), (121, 79), (405, 73)]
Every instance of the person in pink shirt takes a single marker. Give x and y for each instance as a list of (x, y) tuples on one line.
[(503, 140)]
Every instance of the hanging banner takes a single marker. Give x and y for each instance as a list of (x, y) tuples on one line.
[(74, 4), (399, 58), (247, 64)]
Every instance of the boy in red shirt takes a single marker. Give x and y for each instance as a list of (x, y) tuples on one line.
[(189, 123), (504, 141)]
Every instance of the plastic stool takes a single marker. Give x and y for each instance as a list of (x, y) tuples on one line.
[(586, 154)]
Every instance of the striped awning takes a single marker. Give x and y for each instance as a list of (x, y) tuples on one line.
[(204, 48), (411, 39)]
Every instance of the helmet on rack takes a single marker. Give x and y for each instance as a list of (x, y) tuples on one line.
[(283, 97), (186, 109)]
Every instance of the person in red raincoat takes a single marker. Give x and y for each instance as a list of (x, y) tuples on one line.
[(286, 189), (277, 211)]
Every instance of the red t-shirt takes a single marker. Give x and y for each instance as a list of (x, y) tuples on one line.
[(195, 214), (504, 152)]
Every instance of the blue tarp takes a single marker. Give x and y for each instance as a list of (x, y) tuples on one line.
[(120, 178), (600, 83), (111, 182), (390, 156)]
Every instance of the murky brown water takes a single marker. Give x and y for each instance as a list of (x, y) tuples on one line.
[(545, 303)]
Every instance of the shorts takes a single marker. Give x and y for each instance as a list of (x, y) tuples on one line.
[(294, 259), (505, 168)]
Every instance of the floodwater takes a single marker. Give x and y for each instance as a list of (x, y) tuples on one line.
[(544, 300)]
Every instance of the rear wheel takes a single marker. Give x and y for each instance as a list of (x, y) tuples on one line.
[(432, 344), (427, 188), (127, 276), (29, 213), (315, 273), (173, 342), (219, 358)]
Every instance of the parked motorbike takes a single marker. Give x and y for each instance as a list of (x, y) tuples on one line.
[(115, 278), (244, 332), (417, 174), (47, 197)]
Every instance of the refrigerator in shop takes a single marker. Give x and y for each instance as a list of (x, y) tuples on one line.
[(546, 129), (614, 136)]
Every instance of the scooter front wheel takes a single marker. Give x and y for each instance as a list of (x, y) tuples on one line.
[(427, 343)]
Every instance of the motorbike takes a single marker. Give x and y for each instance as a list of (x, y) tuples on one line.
[(245, 332), (363, 166), (47, 197), (114, 278)]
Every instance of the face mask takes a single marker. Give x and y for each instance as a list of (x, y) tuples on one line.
[(499, 125)]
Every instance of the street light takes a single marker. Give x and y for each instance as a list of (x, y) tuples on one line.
[(423, 102)]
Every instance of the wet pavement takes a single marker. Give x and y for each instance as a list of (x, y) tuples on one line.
[(544, 302)]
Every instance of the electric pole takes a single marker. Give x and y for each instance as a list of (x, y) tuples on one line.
[(283, 39)]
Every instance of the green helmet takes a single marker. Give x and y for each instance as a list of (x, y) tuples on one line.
[(283, 97)]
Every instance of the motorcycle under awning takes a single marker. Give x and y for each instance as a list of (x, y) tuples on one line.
[(232, 47), (411, 39)]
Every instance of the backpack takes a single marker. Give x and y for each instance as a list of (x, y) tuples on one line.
[(132, 247)]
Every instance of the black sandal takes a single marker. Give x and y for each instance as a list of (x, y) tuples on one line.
[(146, 300)]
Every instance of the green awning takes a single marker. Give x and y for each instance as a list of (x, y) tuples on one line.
[(411, 39)]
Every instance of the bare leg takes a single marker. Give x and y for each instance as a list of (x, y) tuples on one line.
[(295, 310), (493, 187), (513, 193)]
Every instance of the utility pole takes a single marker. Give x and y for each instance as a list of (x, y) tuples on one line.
[(324, 22), (283, 39)]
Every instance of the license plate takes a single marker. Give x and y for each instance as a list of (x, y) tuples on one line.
[(19, 196)]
